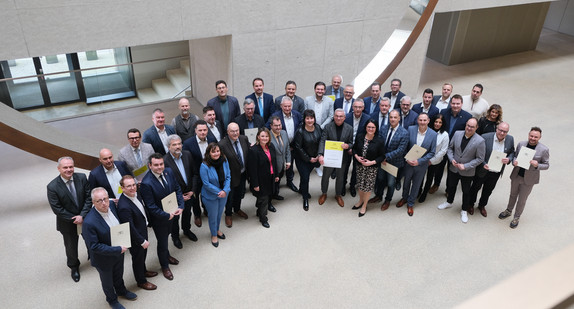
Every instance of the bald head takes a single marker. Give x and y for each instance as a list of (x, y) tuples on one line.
[(233, 131), (107, 158)]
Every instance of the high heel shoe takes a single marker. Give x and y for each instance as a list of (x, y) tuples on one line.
[(222, 236), (306, 204), (356, 207), (215, 244), (362, 214)]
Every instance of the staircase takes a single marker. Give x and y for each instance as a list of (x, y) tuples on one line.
[(175, 81)]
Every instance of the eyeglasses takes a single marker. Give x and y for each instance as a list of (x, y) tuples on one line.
[(502, 131), (105, 199)]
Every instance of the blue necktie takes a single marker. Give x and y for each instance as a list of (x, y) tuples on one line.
[(260, 106)]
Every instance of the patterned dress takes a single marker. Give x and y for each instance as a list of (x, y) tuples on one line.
[(366, 175)]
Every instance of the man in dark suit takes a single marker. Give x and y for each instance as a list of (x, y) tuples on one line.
[(156, 185), (443, 101), (264, 105), (523, 180), (335, 88), (298, 102), (185, 121), (236, 150), (135, 153), (372, 102), (426, 105), (395, 95), (465, 152), (248, 120), (69, 198), (408, 117), (415, 170), (485, 178), (215, 127), (197, 146), (108, 174), (340, 131), (454, 117), (223, 102), (107, 259), (346, 101), (381, 115), (357, 120), (280, 140), (157, 134), (181, 163), (132, 210)]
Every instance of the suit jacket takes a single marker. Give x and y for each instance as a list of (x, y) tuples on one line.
[(210, 180), (192, 146), (329, 91), (259, 170), (330, 133), (436, 98), (395, 151), (151, 136), (400, 95), (418, 108), (152, 192), (339, 104), (98, 177), (283, 153), (219, 126), (234, 109), (326, 109), (191, 173), (471, 157), (409, 120), (532, 174), (375, 117), (370, 105), (241, 121), (298, 104), (488, 142), (362, 121), (297, 120), (129, 212), (180, 129), (127, 155), (234, 165), (460, 121), (375, 149), (429, 143), (268, 105), (96, 233), (63, 204)]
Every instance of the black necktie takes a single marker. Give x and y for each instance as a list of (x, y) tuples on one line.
[(163, 181), (389, 138)]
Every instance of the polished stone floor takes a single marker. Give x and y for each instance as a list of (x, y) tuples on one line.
[(326, 257)]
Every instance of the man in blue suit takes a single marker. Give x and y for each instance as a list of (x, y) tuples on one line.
[(443, 101), (107, 259), (335, 88), (372, 102), (395, 95), (157, 134), (426, 105), (381, 115), (155, 186), (356, 119), (226, 107), (408, 117), (108, 174), (264, 105), (415, 170), (454, 117), (346, 101)]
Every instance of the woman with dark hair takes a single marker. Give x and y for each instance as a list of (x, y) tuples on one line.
[(489, 122), (437, 123), (216, 178), (369, 151), (306, 147), (262, 166)]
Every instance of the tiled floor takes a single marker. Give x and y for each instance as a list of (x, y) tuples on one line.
[(327, 257)]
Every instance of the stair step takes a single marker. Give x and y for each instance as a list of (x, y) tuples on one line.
[(147, 95), (184, 64), (164, 88), (178, 78)]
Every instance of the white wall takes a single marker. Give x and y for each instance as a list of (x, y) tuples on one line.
[(561, 17)]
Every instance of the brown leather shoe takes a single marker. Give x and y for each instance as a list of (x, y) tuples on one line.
[(172, 260), (150, 274), (401, 203), (242, 214), (482, 211), (228, 221), (410, 210), (148, 286), (385, 206), (340, 200), (375, 199), (322, 198), (198, 221), (471, 210), (433, 189), (167, 273)]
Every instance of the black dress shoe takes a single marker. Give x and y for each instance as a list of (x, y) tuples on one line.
[(353, 192), (344, 192), (423, 197), (361, 214), (356, 207), (271, 208), (292, 186), (334, 174), (76, 274), (306, 204), (278, 197), (265, 224), (398, 185), (177, 243), (222, 236), (215, 244), (190, 235)]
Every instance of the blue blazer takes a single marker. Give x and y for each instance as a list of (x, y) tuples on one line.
[(129, 212), (429, 143), (410, 120), (395, 152), (368, 102), (191, 145), (98, 177), (96, 234), (400, 95), (460, 120), (297, 119), (234, 109), (364, 117), (339, 104), (268, 105), (433, 110), (210, 180), (152, 192), (150, 136)]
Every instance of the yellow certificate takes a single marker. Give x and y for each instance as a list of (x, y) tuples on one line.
[(333, 155)]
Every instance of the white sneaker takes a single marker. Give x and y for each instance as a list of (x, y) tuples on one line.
[(444, 205), (319, 171), (463, 216)]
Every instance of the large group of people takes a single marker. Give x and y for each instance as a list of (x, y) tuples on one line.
[(206, 162)]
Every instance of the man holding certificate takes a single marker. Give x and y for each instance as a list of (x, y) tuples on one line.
[(163, 199), (499, 152), (422, 145), (334, 153), (105, 257), (523, 179)]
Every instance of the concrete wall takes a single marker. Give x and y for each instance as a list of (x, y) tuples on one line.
[(561, 17), (145, 72)]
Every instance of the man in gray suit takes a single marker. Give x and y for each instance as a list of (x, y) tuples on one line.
[(321, 104), (465, 152), (280, 140), (523, 180), (484, 177), (135, 154), (335, 88), (340, 131)]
